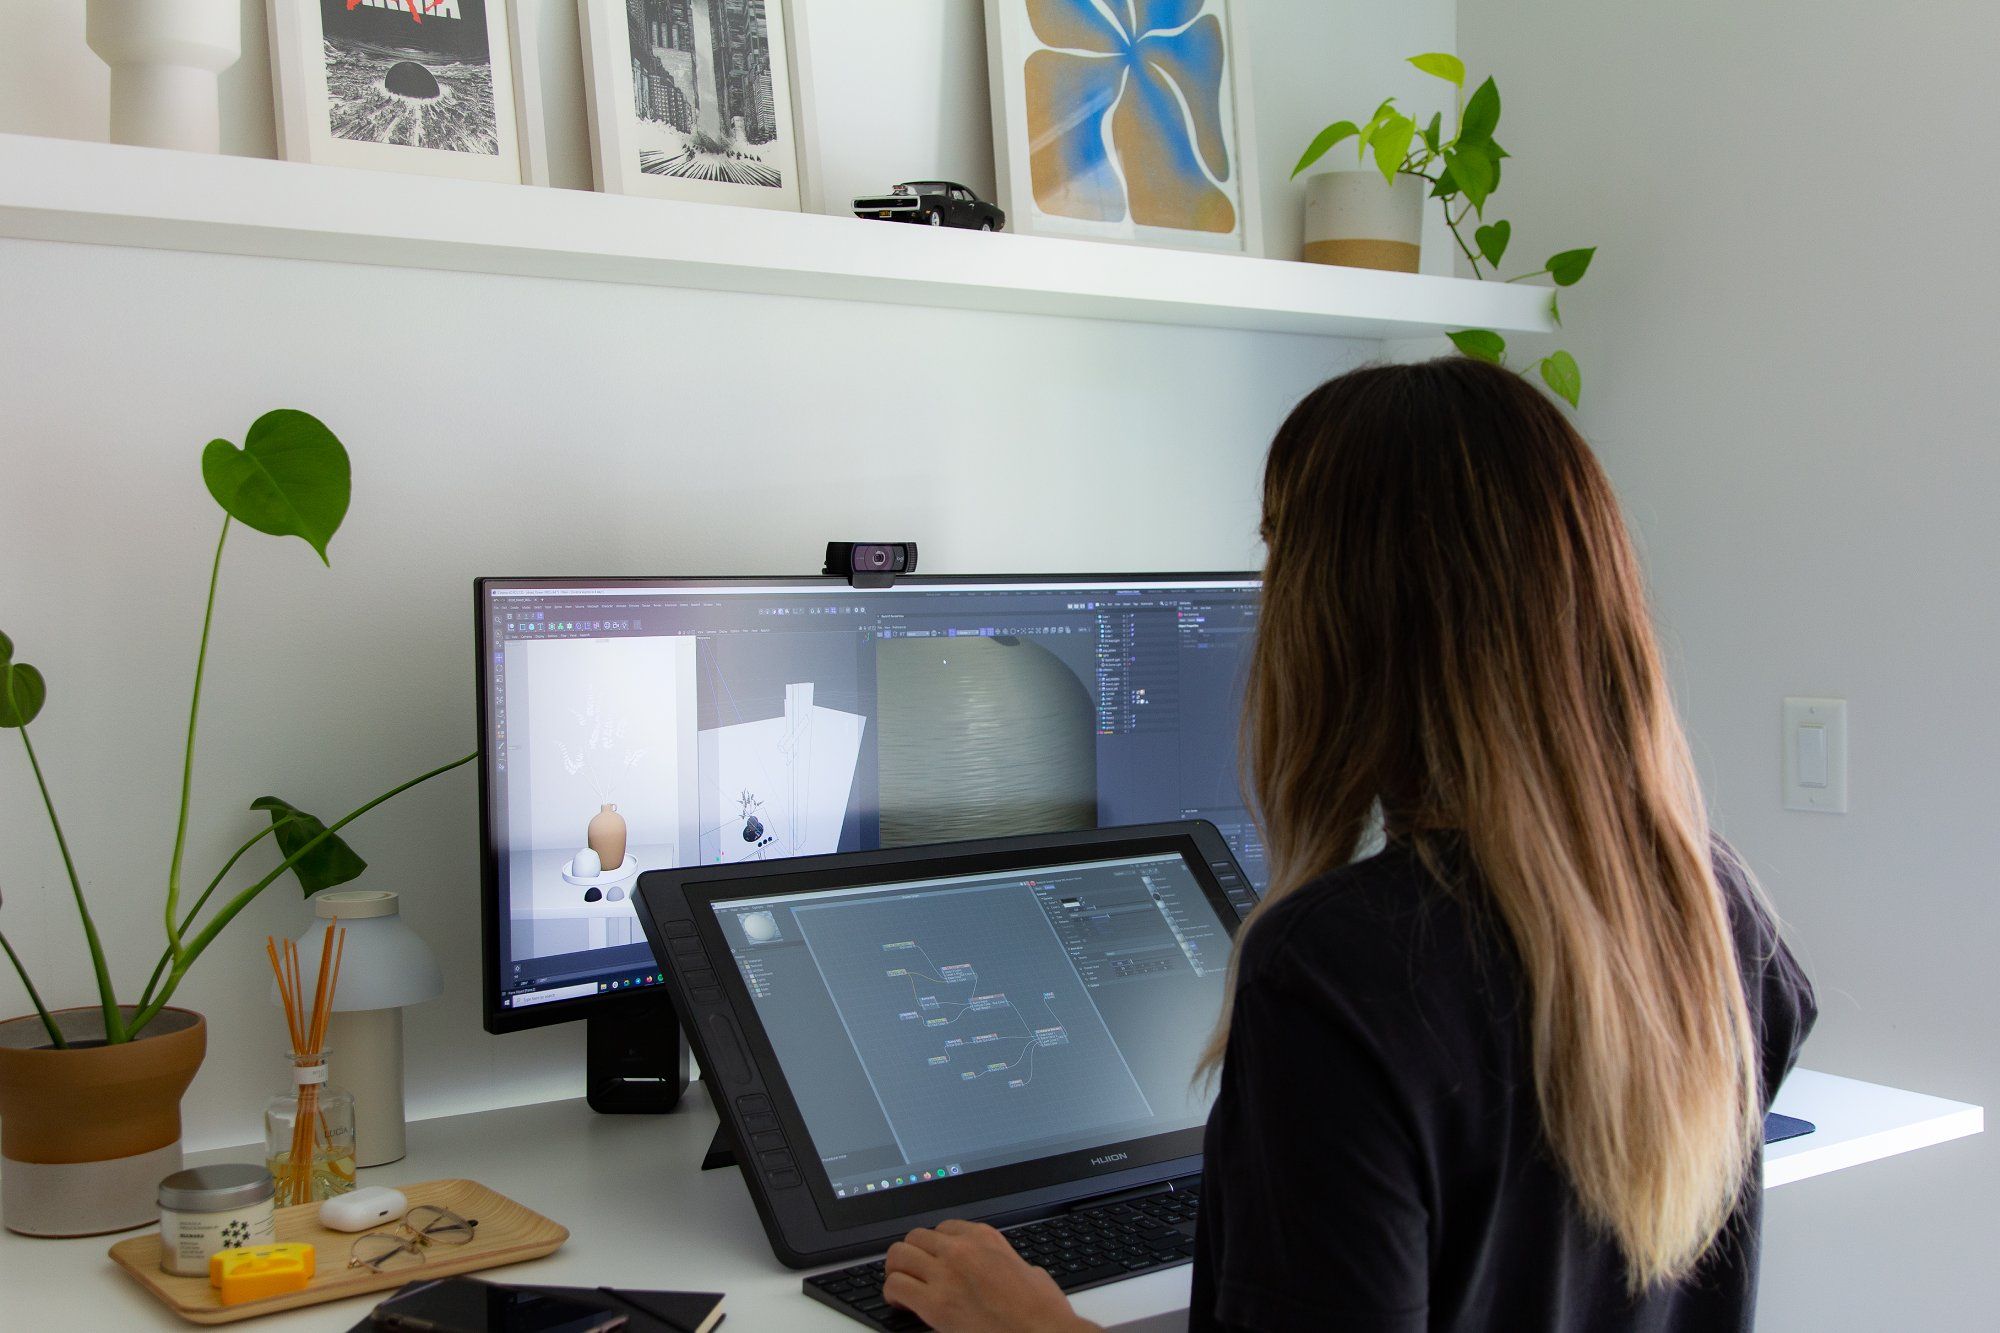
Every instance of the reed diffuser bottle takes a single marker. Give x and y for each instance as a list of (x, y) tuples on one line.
[(309, 1135)]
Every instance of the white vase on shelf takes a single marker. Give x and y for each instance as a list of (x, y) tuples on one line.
[(164, 57)]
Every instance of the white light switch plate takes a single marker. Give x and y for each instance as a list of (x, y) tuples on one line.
[(1815, 758)]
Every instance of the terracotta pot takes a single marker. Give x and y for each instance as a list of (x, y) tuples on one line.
[(86, 1134), (607, 837)]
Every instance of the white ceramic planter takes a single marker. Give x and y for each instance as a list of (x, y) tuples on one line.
[(164, 57), (1357, 219)]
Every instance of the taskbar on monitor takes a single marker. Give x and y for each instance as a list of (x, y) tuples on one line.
[(849, 1182), (906, 1176), (523, 999)]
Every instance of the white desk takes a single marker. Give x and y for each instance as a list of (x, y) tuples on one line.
[(641, 1215), (1858, 1122)]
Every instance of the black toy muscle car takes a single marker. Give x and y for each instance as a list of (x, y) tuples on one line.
[(938, 203)]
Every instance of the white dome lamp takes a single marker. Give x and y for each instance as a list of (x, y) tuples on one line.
[(384, 966)]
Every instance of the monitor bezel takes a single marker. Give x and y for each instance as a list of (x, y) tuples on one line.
[(497, 1017), (799, 1232)]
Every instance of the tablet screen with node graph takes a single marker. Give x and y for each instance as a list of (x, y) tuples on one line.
[(971, 1029)]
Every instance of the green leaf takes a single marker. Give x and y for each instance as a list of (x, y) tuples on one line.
[(1383, 115), (1482, 114), (1433, 130), (1559, 372), (1568, 267), (1555, 308), (1441, 65), (332, 862), (1392, 144), (22, 689), (1447, 184), (1480, 344), (1376, 121), (290, 478), (1474, 170), (1492, 240), (1324, 141)]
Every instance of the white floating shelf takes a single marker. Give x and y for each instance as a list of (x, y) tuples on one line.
[(106, 194)]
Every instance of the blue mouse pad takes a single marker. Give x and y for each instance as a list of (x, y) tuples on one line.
[(1778, 1128)]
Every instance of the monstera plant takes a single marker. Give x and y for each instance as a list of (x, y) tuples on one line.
[(290, 478), (1462, 171)]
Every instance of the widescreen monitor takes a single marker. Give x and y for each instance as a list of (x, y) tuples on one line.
[(709, 721)]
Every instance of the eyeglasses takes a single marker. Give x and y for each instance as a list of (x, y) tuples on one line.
[(403, 1245)]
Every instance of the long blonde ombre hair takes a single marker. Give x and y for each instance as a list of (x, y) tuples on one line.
[(1454, 629)]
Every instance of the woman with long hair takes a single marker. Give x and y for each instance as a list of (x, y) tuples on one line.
[(1509, 1070)]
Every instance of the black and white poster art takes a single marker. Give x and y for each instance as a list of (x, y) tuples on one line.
[(415, 72), (411, 85), (692, 99)]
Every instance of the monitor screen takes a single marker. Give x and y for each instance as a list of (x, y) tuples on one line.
[(638, 724), (935, 1028)]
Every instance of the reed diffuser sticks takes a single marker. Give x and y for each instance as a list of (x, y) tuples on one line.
[(307, 1029)]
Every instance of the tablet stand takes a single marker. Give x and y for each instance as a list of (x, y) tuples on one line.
[(719, 1154), (635, 1061)]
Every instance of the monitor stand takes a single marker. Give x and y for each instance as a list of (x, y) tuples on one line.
[(632, 1067), (635, 1061)]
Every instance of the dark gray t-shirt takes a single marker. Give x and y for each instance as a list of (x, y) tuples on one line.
[(1375, 1160)]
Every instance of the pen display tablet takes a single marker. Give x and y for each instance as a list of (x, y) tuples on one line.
[(1043, 1019)]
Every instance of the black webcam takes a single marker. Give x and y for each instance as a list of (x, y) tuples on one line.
[(870, 564)]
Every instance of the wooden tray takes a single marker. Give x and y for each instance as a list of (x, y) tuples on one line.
[(507, 1234)]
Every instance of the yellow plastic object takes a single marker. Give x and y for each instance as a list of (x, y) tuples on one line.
[(259, 1272)]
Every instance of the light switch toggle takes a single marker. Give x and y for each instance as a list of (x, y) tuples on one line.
[(1812, 756), (1815, 755)]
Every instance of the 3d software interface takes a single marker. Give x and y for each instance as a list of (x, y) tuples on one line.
[(946, 1026), (706, 725)]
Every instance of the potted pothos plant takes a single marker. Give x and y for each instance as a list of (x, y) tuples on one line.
[(90, 1096), (1461, 172)]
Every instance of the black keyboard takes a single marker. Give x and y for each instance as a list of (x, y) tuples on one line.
[(1088, 1247)]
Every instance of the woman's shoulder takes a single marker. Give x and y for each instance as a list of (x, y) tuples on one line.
[(1375, 916)]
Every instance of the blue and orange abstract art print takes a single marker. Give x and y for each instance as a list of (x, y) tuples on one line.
[(1128, 116)]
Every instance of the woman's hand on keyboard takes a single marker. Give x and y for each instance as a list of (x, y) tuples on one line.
[(965, 1278)]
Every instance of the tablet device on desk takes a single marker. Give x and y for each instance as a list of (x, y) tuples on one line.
[(996, 1029)]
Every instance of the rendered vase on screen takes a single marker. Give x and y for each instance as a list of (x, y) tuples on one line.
[(982, 738), (607, 837)]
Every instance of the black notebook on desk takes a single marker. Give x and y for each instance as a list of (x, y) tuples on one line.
[(644, 1311)]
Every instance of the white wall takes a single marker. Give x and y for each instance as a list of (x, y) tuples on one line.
[(1786, 368), (503, 425)]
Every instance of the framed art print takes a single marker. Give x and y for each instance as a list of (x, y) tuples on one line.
[(423, 86), (1125, 120), (530, 105), (693, 99)]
